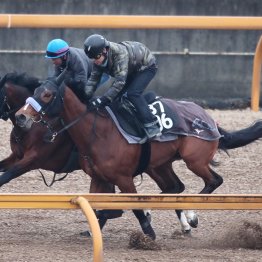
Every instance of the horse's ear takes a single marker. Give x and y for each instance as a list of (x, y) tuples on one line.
[(2, 81)]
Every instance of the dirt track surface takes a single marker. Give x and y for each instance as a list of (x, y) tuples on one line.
[(54, 235)]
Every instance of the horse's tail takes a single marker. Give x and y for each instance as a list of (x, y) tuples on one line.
[(242, 137)]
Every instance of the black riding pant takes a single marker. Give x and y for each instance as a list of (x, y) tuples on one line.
[(135, 85)]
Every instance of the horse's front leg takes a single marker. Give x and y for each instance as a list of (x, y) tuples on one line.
[(8, 162), (126, 185), (26, 164), (100, 186)]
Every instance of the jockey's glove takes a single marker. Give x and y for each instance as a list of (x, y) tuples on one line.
[(73, 84), (100, 102), (89, 91)]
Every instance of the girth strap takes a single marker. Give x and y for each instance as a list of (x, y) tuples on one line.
[(144, 158)]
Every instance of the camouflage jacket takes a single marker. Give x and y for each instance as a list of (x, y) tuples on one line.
[(123, 59), (79, 66)]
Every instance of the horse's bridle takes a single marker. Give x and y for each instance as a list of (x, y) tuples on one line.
[(44, 112), (56, 133)]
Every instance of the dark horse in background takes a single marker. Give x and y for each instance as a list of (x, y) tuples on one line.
[(107, 156), (31, 150)]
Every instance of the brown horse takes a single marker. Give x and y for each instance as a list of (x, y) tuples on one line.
[(14, 90), (30, 150), (107, 156)]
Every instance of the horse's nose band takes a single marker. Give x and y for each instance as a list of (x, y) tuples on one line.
[(31, 101)]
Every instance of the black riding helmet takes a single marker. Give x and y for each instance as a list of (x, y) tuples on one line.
[(94, 45)]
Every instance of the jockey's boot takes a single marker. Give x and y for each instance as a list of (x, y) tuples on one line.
[(152, 129)]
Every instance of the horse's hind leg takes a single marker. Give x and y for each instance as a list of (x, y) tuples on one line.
[(126, 185), (213, 183), (211, 179), (197, 159), (166, 179), (169, 183)]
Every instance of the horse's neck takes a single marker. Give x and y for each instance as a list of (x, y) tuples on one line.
[(86, 127), (16, 95), (73, 107)]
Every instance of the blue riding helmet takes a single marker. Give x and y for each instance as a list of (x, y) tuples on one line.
[(56, 48)]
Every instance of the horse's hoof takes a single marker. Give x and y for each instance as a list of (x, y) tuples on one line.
[(193, 222), (86, 234), (192, 219), (152, 236), (149, 231)]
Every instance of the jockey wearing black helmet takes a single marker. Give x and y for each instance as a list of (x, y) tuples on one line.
[(132, 65)]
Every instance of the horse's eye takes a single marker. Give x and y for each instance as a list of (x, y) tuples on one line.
[(46, 96)]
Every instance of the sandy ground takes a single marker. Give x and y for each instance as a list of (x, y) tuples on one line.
[(54, 235)]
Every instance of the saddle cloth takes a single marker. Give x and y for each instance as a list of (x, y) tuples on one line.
[(176, 118)]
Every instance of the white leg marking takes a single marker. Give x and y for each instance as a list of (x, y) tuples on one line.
[(184, 224)]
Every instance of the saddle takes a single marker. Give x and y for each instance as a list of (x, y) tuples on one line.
[(176, 118), (126, 114)]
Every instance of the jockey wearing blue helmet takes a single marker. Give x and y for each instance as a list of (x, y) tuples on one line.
[(56, 48), (78, 66)]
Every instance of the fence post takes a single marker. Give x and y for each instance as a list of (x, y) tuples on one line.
[(95, 229), (255, 91)]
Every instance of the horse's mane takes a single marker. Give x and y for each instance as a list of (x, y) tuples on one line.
[(22, 79)]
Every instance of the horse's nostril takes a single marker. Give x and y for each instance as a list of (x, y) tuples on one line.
[(20, 119)]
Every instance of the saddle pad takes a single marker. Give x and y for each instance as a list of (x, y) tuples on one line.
[(177, 118)]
